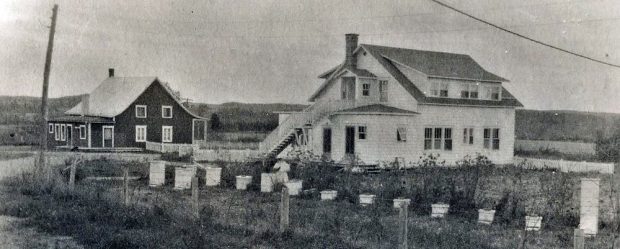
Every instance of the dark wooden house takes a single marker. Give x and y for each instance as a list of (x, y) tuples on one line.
[(127, 112)]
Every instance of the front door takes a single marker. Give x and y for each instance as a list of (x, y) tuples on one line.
[(327, 140), (108, 136), (69, 135), (350, 140), (199, 130)]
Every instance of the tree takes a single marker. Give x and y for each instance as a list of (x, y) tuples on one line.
[(215, 122)]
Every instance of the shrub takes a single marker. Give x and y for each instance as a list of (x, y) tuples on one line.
[(608, 149)]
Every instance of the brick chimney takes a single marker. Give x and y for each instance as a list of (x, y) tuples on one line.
[(110, 72), (350, 46), (85, 104)]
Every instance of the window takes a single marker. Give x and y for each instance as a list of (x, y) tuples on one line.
[(82, 131), (166, 111), (443, 89), (361, 132), (439, 89), (383, 90), (63, 132), (491, 138), (140, 111), (492, 92), (437, 142), (166, 134), (401, 134), (447, 141), (140, 133), (496, 139), (365, 89), (50, 128), (468, 136), (57, 132), (428, 138), (469, 91), (438, 138)]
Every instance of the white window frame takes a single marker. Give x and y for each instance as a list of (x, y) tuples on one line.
[(383, 91), (441, 140), (138, 128), (163, 134), (50, 128), (401, 134), (468, 89), (489, 142), (145, 111), (468, 135), (365, 89), (437, 87), (82, 131), (362, 130), (63, 132), (57, 132), (163, 107), (489, 91)]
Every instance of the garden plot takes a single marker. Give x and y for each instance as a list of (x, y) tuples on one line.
[(162, 217)]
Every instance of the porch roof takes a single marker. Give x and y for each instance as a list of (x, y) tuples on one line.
[(378, 109), (82, 119)]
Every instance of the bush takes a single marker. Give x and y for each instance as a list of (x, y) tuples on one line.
[(608, 149)]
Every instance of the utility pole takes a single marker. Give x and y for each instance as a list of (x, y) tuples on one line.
[(41, 167)]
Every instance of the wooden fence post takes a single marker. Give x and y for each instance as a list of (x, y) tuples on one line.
[(195, 203), (403, 217), (126, 185), (72, 174), (522, 243), (579, 239), (284, 208)]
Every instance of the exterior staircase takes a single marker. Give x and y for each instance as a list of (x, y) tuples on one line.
[(283, 144), (293, 125)]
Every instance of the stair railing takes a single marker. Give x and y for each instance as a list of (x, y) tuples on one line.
[(310, 115)]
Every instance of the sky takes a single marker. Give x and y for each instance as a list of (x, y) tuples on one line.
[(272, 51)]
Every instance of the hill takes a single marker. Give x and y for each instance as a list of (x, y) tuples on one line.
[(234, 116), (26, 110), (565, 125)]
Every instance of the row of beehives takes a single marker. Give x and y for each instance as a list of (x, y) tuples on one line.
[(184, 173)]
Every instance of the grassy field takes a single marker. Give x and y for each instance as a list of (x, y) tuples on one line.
[(161, 218)]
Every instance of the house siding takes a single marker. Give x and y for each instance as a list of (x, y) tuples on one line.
[(75, 141), (380, 143), (397, 94), (460, 117), (154, 97)]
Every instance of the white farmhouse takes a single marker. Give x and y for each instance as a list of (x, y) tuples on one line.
[(385, 104)]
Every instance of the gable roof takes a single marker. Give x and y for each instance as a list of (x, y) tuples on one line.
[(326, 74), (436, 64), (508, 100), (376, 109), (115, 94), (360, 72), (433, 64)]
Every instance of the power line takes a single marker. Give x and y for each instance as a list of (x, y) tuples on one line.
[(525, 37)]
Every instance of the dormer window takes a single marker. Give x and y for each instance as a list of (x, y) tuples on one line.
[(439, 89), (469, 91), (492, 93), (140, 111)]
